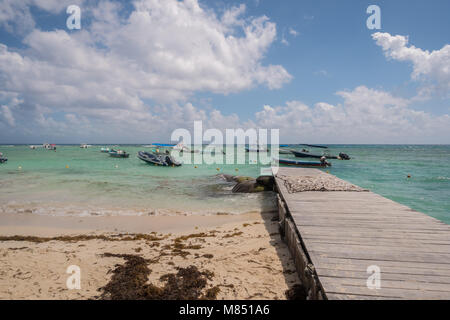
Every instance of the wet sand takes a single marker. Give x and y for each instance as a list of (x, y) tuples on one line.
[(243, 255)]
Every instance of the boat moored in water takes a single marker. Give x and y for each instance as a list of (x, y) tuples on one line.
[(49, 146), (302, 154), (256, 149), (164, 160), (2, 159), (284, 151), (297, 163), (118, 153), (105, 150), (314, 146)]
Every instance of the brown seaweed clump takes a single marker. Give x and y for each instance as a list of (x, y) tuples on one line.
[(129, 282), (118, 237)]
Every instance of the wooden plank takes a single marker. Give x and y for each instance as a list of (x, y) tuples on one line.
[(345, 232), (342, 296), (363, 275), (382, 255), (373, 233), (387, 266), (398, 249), (335, 286)]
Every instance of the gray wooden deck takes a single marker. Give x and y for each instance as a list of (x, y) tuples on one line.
[(343, 233)]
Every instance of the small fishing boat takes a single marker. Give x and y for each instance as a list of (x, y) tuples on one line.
[(85, 146), (164, 160), (302, 154), (105, 150), (118, 153), (182, 148), (49, 146), (2, 159), (293, 162), (161, 145), (314, 146), (256, 149), (284, 151)]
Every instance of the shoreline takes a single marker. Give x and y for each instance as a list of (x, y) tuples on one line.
[(233, 256)]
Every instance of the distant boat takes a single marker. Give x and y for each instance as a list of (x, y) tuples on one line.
[(164, 160), (33, 147), (291, 162), (85, 146), (49, 146), (118, 154), (161, 145), (300, 154), (2, 159), (256, 149), (314, 146), (105, 150), (182, 148)]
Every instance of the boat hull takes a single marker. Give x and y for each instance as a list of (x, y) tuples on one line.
[(119, 155), (306, 164), (299, 154), (158, 160)]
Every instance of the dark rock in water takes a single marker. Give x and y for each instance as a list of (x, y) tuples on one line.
[(267, 181), (245, 186), (239, 179), (231, 178), (251, 186)]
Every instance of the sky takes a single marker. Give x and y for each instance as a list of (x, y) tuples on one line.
[(137, 70)]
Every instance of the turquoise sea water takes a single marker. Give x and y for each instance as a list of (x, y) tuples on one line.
[(95, 184)]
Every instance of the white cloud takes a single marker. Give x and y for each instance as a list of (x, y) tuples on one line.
[(433, 66), (365, 116), (293, 32), (113, 70)]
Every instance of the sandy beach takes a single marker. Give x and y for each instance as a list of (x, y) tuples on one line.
[(168, 257)]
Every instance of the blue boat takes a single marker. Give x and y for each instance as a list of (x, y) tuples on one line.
[(162, 145), (293, 162)]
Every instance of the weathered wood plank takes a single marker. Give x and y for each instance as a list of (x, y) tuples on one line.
[(406, 277), (345, 232)]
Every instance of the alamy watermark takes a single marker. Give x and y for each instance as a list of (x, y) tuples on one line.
[(74, 20), (231, 147), (74, 280), (374, 20), (374, 280)]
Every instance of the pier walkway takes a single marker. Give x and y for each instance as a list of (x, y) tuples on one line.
[(340, 239)]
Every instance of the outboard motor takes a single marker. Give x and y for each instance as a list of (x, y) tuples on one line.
[(344, 156), (171, 161)]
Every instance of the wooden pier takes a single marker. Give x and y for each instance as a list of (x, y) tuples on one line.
[(338, 239)]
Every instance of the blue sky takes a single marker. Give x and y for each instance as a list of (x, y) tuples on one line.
[(138, 70)]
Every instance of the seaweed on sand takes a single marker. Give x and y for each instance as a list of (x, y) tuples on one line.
[(118, 237), (230, 235), (130, 282)]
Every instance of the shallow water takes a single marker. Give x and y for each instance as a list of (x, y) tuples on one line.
[(96, 184)]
